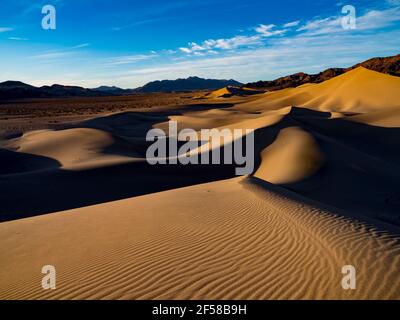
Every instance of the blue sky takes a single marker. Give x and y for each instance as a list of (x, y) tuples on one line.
[(128, 43)]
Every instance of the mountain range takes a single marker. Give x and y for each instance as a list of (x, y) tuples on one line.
[(10, 90), (388, 65), (189, 84), (18, 90)]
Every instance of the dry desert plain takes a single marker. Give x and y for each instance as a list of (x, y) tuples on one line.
[(76, 192)]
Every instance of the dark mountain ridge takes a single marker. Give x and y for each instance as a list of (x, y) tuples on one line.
[(189, 84), (10, 90), (388, 65)]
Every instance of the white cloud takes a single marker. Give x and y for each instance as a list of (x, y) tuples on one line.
[(221, 44), (235, 42), (321, 26), (291, 24), (185, 50), (370, 20), (267, 30), (246, 65), (376, 19), (283, 56)]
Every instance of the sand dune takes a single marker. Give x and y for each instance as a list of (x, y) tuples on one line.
[(357, 91), (324, 194), (231, 91), (72, 148), (225, 240), (294, 156)]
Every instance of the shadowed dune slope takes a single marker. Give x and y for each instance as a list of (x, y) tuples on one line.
[(312, 160), (340, 163)]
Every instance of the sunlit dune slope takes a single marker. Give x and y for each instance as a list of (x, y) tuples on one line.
[(75, 148), (293, 156), (389, 118), (357, 91), (231, 91), (230, 239)]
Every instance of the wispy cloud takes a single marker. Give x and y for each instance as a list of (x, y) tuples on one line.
[(221, 44), (121, 60), (268, 30), (82, 45), (292, 24), (53, 55), (376, 19), (56, 54), (309, 46), (238, 41), (258, 52), (301, 53), (370, 20), (18, 39), (139, 23), (322, 26)]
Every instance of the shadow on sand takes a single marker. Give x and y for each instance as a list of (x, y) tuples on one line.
[(361, 173)]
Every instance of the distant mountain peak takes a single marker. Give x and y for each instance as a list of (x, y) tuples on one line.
[(14, 84), (192, 83)]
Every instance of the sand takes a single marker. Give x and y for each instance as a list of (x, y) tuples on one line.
[(358, 91), (324, 194), (226, 240), (292, 157), (388, 118), (231, 91)]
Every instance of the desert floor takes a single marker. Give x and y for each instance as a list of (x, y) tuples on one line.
[(76, 192)]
